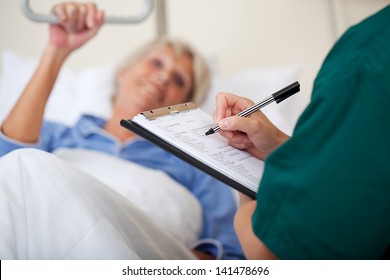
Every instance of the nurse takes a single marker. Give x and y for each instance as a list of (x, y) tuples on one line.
[(325, 192)]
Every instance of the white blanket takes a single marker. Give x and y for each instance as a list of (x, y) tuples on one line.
[(51, 210), (166, 202)]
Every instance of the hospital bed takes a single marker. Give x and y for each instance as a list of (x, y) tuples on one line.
[(170, 232)]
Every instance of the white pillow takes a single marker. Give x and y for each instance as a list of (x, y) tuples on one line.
[(74, 93)]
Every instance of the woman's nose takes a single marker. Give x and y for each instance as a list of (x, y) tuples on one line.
[(162, 77)]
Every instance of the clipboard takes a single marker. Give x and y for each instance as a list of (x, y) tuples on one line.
[(179, 129)]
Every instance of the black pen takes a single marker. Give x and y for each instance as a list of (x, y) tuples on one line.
[(278, 96)]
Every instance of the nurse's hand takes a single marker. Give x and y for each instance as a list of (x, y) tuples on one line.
[(78, 23), (254, 133)]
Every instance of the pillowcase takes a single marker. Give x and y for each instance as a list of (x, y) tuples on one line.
[(90, 90)]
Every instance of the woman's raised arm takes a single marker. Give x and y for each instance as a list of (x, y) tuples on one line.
[(78, 23)]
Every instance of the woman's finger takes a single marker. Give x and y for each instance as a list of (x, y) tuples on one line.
[(91, 16), (81, 20), (72, 12), (60, 13)]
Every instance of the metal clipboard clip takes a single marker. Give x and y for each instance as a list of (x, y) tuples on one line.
[(174, 109)]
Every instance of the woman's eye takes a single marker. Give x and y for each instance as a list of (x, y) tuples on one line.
[(179, 81), (156, 62)]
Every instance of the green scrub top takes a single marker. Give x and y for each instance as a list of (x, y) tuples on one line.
[(325, 193)]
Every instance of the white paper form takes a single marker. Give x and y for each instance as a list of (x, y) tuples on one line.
[(186, 131)]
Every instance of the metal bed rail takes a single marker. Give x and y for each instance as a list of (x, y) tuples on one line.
[(49, 18)]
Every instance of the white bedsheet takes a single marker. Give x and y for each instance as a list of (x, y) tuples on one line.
[(51, 210), (166, 202)]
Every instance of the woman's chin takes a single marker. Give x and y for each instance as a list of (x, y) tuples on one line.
[(146, 106), (148, 101)]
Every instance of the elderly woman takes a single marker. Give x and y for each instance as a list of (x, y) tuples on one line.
[(163, 73)]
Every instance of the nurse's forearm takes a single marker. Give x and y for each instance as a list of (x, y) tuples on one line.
[(252, 246), (25, 119)]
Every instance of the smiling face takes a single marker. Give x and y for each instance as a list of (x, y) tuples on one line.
[(162, 78)]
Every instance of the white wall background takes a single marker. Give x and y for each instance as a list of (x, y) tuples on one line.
[(238, 34)]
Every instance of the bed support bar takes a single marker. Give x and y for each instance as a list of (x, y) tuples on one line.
[(146, 11)]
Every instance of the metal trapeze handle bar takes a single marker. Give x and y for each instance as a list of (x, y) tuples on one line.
[(49, 18)]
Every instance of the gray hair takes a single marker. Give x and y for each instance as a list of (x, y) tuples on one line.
[(202, 76)]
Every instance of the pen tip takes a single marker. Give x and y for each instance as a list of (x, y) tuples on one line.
[(210, 131)]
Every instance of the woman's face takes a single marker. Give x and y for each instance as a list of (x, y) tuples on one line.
[(160, 79)]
